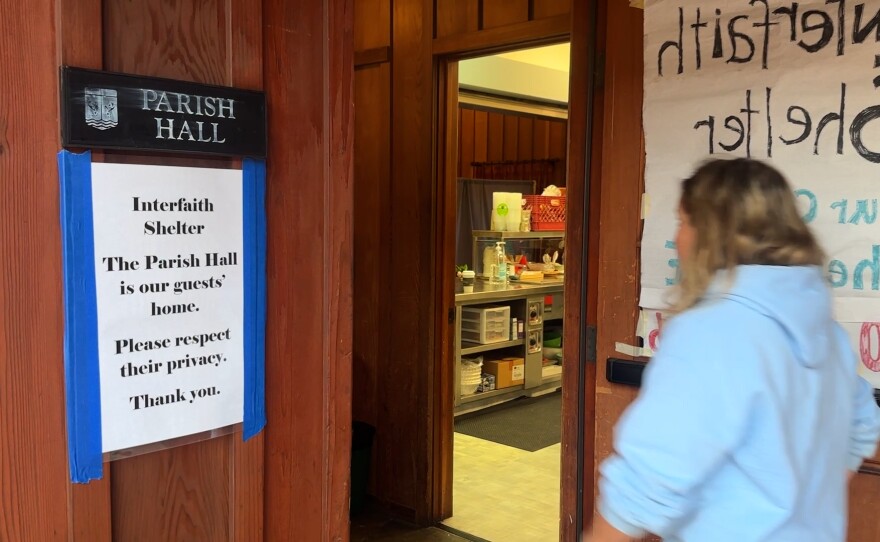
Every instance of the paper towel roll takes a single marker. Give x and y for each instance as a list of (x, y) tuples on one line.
[(506, 211)]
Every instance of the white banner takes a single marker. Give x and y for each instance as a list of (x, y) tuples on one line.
[(793, 84), (170, 301)]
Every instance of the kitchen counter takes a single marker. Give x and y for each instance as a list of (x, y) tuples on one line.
[(485, 291)]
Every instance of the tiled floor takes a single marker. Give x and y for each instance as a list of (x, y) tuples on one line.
[(505, 494)]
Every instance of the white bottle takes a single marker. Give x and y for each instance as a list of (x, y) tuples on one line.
[(513, 328), (500, 263)]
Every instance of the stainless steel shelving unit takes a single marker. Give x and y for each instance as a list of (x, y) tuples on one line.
[(527, 303)]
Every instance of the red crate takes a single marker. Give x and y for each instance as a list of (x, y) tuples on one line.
[(548, 212)]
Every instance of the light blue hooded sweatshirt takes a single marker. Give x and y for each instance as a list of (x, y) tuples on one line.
[(749, 418)]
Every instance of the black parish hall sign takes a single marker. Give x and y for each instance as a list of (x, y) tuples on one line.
[(115, 111)]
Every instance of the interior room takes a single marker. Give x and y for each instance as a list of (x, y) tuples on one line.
[(507, 355)]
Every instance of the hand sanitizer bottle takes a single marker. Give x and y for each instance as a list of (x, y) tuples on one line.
[(500, 263)]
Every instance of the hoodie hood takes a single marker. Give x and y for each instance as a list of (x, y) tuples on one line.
[(796, 298)]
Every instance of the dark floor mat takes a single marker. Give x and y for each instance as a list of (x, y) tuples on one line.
[(527, 424)]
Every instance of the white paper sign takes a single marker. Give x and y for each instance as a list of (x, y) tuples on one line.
[(794, 84), (170, 300)]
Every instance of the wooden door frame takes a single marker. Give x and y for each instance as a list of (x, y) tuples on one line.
[(578, 396)]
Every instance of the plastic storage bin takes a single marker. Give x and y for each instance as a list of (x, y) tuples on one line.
[(485, 325), (548, 212)]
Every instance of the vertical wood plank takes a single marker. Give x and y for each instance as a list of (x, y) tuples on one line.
[(622, 185), (456, 17), (466, 143), (181, 40), (404, 441), (511, 137), (444, 364), (372, 26), (308, 345), (185, 492), (558, 135), (80, 44), (551, 8), (541, 138), (864, 499), (246, 505), (524, 138), (34, 487), (176, 495), (372, 151), (504, 12), (495, 137), (338, 248), (481, 136)]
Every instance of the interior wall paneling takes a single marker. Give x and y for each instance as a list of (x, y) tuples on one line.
[(372, 151), (37, 501), (541, 138), (521, 34), (511, 138), (183, 40), (444, 364), (495, 144), (404, 439), (198, 44), (504, 12), (376, 55), (457, 17), (864, 523), (558, 143), (308, 207), (524, 148), (497, 136), (338, 264), (466, 143), (550, 8), (177, 494), (372, 24), (246, 504), (481, 136), (79, 45), (622, 185), (585, 145)]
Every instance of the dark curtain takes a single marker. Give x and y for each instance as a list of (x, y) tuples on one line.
[(475, 210)]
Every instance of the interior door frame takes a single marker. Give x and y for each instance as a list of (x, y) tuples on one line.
[(578, 440)]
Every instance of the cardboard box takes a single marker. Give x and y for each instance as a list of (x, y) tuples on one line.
[(507, 372)]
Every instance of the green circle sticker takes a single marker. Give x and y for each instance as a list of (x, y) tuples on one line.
[(502, 209)]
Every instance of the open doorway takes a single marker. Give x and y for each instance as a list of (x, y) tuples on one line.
[(509, 163)]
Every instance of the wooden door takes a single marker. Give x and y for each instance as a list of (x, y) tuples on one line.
[(290, 482)]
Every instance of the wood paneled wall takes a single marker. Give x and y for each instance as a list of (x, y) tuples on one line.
[(33, 459), (456, 17), (495, 135), (291, 482)]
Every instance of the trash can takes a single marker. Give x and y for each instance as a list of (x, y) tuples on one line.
[(361, 455)]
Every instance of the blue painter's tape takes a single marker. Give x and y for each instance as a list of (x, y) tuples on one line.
[(82, 381), (254, 201)]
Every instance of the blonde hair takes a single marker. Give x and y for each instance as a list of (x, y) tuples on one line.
[(743, 213)]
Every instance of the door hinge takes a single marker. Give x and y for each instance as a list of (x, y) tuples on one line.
[(451, 316), (590, 340)]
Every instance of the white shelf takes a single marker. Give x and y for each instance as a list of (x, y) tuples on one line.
[(489, 234), (477, 348), (515, 390)]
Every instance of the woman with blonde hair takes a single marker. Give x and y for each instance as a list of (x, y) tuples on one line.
[(751, 416)]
